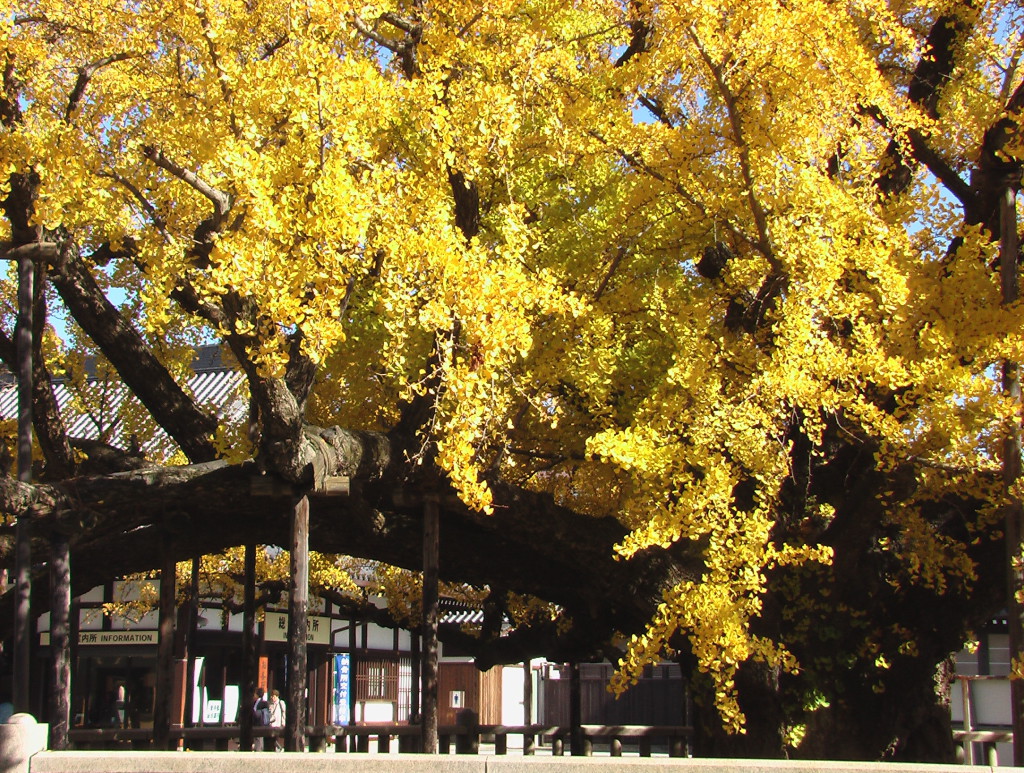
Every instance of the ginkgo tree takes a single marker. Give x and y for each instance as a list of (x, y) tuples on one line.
[(691, 314)]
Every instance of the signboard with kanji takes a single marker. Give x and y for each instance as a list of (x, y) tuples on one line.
[(318, 629), (118, 637), (342, 688)]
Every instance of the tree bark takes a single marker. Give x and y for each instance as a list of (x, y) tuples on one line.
[(174, 410)]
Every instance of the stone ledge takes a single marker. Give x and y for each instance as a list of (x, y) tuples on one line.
[(269, 762)]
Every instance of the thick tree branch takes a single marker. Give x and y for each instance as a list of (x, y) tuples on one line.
[(932, 73), (46, 420), (220, 200), (85, 74), (169, 405)]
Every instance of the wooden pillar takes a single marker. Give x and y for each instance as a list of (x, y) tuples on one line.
[(575, 711), (249, 664), (22, 662), (431, 543), (1009, 250), (416, 663), (528, 740), (298, 602), (60, 641), (165, 650), (190, 642)]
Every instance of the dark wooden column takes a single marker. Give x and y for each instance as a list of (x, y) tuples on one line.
[(60, 641), (297, 606), (165, 650), (192, 627), (416, 665), (1009, 252), (431, 543), (249, 664), (22, 660), (528, 740), (575, 711)]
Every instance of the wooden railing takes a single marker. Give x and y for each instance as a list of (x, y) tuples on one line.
[(971, 734), (465, 738)]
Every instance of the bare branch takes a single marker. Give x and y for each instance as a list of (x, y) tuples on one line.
[(405, 25), (146, 204), (220, 200), (764, 243), (85, 74), (375, 36), (222, 75)]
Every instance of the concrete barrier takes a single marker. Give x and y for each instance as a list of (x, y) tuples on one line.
[(246, 762), (268, 762), (677, 765), (21, 737)]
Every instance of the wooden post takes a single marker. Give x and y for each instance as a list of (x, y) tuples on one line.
[(468, 741), (295, 735), (528, 740), (249, 666), (965, 700), (165, 650), (60, 641), (416, 664), (575, 711), (1014, 522), (22, 661), (431, 543), (192, 628)]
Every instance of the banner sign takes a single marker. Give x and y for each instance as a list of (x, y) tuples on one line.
[(342, 687), (275, 628)]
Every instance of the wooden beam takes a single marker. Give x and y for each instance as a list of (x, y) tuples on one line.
[(32, 251), (333, 486)]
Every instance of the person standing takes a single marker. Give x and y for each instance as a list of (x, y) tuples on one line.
[(260, 718), (277, 717)]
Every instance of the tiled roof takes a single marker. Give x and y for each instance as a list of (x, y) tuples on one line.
[(98, 416)]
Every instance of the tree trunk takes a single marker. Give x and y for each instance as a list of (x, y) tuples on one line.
[(906, 718), (758, 688)]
